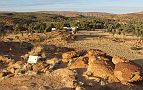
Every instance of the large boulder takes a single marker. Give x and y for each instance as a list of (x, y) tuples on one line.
[(102, 69), (100, 58), (128, 72), (117, 59)]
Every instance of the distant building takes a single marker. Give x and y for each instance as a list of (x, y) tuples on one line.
[(73, 30), (53, 29), (67, 28)]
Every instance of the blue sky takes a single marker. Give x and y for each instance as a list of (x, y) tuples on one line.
[(111, 6)]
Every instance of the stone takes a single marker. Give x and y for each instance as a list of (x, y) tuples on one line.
[(5, 59), (92, 59), (117, 59), (128, 72), (97, 79), (27, 66), (65, 60), (81, 62), (104, 58), (90, 84), (102, 83), (87, 74), (93, 52), (12, 70), (18, 71), (38, 67), (16, 66), (53, 61), (10, 63), (102, 69), (80, 83), (25, 57), (9, 75), (3, 74), (69, 55)]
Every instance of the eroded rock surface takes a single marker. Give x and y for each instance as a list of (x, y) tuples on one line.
[(117, 59), (128, 72)]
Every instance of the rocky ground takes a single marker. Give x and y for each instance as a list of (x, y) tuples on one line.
[(116, 46), (87, 61)]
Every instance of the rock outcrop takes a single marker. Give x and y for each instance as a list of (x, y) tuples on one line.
[(128, 72), (102, 69)]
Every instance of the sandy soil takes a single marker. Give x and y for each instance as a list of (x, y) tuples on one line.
[(83, 41)]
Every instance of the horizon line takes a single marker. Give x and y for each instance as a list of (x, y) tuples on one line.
[(64, 11)]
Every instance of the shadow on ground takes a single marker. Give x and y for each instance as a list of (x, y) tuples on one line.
[(53, 51), (138, 61), (14, 50), (84, 37)]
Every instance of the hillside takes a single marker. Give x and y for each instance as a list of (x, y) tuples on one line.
[(138, 12), (74, 14)]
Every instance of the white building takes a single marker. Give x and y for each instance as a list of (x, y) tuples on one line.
[(53, 29)]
